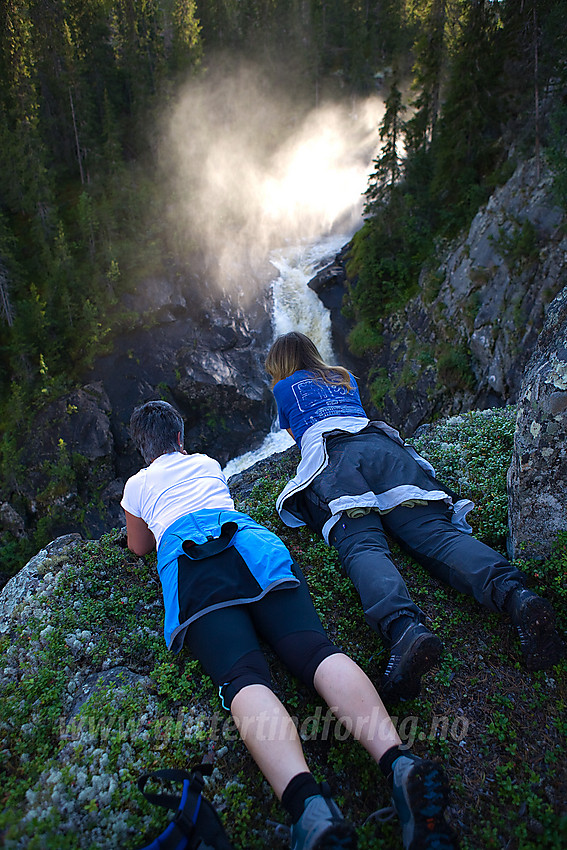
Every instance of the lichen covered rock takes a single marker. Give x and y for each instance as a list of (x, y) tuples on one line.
[(537, 478), (90, 698)]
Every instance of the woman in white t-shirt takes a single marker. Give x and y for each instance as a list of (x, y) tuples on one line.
[(227, 581)]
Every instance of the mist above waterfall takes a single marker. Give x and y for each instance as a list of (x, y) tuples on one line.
[(249, 167)]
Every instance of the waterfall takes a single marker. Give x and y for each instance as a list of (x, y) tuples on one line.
[(314, 185), (296, 307)]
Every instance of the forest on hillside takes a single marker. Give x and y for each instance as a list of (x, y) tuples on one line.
[(470, 86)]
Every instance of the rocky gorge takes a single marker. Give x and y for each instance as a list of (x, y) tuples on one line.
[(463, 342), (91, 698)]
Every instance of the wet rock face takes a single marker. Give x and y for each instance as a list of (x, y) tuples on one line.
[(537, 478), (211, 370), (502, 279), (80, 420), (329, 284), (202, 351)]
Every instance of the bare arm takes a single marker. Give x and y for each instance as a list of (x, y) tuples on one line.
[(140, 539)]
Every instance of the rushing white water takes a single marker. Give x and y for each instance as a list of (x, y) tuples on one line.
[(311, 184), (295, 307)]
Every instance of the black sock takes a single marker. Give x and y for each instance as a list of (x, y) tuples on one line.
[(297, 791), (386, 762), (511, 596), (398, 626)]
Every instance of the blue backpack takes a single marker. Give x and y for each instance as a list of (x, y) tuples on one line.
[(196, 825)]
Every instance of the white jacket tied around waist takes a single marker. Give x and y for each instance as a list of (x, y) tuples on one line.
[(314, 459)]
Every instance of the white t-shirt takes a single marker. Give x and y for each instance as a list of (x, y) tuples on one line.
[(173, 486)]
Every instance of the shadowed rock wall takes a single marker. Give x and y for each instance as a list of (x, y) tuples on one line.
[(537, 478)]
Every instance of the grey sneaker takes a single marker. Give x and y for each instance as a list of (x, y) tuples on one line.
[(420, 793), (322, 826), (534, 619), (413, 654)]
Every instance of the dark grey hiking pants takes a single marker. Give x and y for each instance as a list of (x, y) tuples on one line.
[(427, 533)]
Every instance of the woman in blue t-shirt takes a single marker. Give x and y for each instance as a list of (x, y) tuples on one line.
[(356, 481)]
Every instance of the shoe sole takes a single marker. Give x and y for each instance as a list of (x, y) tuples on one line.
[(428, 793), (341, 836), (425, 654), (541, 645)]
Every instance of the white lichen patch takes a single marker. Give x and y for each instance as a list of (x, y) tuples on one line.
[(557, 374)]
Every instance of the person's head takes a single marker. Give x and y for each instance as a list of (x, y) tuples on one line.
[(156, 429), (293, 351)]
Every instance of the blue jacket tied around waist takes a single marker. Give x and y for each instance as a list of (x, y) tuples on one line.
[(253, 562)]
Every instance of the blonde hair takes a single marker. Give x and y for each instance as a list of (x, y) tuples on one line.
[(293, 351)]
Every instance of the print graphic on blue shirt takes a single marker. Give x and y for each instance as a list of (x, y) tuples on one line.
[(303, 400), (311, 394)]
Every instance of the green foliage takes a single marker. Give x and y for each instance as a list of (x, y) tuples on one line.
[(76, 221), (386, 256), (551, 574), (519, 246), (364, 338), (60, 475), (471, 104), (327, 42), (471, 453), (387, 171), (380, 386), (431, 285), (454, 368), (466, 144)]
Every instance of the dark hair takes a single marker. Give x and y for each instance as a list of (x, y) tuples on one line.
[(155, 427), (293, 351)]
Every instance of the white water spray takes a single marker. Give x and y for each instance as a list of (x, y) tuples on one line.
[(295, 308), (248, 168), (252, 174)]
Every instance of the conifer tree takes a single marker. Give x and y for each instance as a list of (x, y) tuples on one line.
[(388, 165), (429, 69), (465, 148)]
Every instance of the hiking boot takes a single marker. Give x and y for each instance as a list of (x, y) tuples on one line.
[(413, 654), (420, 793), (322, 826), (534, 619)]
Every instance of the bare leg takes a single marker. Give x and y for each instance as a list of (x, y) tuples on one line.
[(354, 700), (269, 734)]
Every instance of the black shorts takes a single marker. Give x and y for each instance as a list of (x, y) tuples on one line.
[(226, 641)]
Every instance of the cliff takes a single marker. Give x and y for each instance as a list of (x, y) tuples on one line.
[(464, 341), (91, 698)]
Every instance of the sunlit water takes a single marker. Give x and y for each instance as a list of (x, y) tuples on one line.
[(295, 307)]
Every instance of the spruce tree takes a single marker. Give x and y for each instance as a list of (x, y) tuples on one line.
[(388, 164), (465, 147)]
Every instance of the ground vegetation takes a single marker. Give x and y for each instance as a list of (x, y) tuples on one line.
[(71, 762)]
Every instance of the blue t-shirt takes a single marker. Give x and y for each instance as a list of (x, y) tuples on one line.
[(303, 400)]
